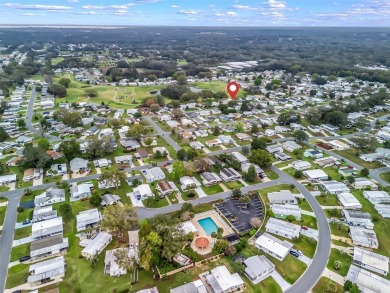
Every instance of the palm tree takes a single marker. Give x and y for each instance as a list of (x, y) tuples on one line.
[(214, 235), (337, 265)]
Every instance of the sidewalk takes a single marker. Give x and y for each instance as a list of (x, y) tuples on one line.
[(28, 287), (333, 276)]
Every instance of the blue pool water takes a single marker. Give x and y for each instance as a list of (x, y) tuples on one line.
[(208, 225)]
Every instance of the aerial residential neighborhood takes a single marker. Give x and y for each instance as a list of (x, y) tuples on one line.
[(132, 160)]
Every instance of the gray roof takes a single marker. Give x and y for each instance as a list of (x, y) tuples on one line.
[(256, 265)]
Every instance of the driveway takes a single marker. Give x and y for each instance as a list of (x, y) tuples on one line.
[(312, 233), (22, 241), (305, 259), (281, 282), (38, 181), (134, 200), (200, 192)]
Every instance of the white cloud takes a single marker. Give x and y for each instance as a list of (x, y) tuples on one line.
[(231, 13), (36, 6), (100, 7), (174, 6), (275, 4), (187, 12), (86, 13), (120, 12), (73, 1), (33, 14), (243, 7), (147, 1)]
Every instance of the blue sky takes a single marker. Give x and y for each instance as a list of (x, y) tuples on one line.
[(198, 12)]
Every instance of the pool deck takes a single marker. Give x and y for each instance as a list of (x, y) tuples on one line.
[(201, 233)]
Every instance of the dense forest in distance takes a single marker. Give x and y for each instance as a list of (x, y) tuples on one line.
[(326, 51)]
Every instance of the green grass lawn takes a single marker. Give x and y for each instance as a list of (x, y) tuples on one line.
[(385, 176), (271, 174), (2, 214), (162, 202), (17, 275), (307, 221), (172, 198), (290, 268), (325, 284), (25, 215), (22, 233), (185, 196), (330, 200), (4, 188), (339, 230), (233, 184), (344, 258), (304, 205), (213, 189), (263, 192), (351, 155), (306, 245), (19, 251)]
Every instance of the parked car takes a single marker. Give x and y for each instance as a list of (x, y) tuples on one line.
[(304, 228), (26, 222), (24, 258), (294, 253)]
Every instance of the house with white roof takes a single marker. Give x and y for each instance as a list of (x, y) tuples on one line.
[(229, 174), (315, 175), (43, 213), (358, 219), (363, 237), (46, 270), (47, 228), (273, 246), (50, 196), (301, 165), (188, 183), (153, 174), (80, 191), (348, 201), (88, 218), (282, 228), (96, 245), (142, 191), (377, 196), (239, 157), (363, 183), (367, 281), (383, 209), (281, 211), (78, 165), (334, 187), (258, 268), (222, 281), (291, 146), (48, 246), (195, 286), (371, 261), (210, 178), (282, 197)]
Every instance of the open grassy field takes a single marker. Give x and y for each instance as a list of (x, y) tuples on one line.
[(56, 60)]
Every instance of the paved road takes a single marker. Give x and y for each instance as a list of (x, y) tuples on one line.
[(29, 115), (162, 133), (30, 112), (7, 236)]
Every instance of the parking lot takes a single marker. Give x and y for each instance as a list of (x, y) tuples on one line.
[(239, 214)]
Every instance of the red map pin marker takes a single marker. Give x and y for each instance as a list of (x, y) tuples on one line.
[(233, 89)]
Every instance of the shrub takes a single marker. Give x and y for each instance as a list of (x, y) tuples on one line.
[(20, 209)]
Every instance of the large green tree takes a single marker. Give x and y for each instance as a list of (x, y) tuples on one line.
[(261, 158)]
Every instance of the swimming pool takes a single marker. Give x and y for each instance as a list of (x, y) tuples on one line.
[(208, 225)]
